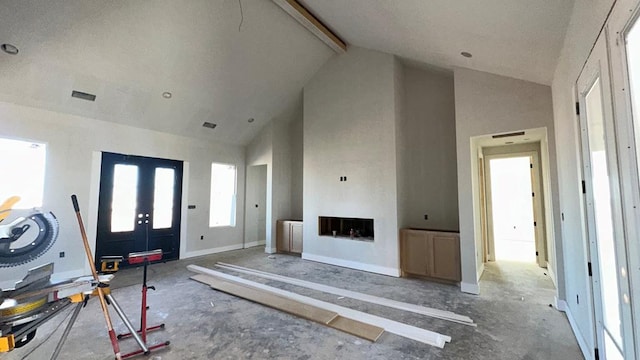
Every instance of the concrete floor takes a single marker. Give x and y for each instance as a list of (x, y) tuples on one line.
[(513, 315)]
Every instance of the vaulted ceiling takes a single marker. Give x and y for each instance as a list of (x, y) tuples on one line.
[(226, 61)]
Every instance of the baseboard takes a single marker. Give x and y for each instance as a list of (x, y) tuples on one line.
[(582, 342), (352, 264), (270, 250), (190, 254), (254, 243), (470, 288)]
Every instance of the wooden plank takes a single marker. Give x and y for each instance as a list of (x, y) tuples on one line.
[(305, 311), (311, 23), (423, 310), (357, 328), (309, 312), (395, 327)]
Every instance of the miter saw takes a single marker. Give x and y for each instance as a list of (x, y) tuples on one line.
[(25, 238)]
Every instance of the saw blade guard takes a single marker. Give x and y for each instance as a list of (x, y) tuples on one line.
[(27, 238)]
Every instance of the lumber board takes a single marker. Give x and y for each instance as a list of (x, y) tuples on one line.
[(306, 311), (411, 332), (423, 310)]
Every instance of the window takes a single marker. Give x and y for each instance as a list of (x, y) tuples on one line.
[(23, 165), (223, 195)]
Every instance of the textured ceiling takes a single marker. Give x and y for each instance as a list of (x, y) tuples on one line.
[(129, 52), (515, 38)]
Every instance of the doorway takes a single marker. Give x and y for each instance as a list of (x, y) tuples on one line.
[(256, 206), (139, 206), (515, 204), (511, 208)]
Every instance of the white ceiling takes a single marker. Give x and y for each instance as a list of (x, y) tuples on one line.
[(129, 52), (516, 38)]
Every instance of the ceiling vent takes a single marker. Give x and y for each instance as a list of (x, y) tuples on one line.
[(83, 95), (499, 136), (209, 125)]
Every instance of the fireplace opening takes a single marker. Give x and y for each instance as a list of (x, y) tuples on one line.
[(352, 228)]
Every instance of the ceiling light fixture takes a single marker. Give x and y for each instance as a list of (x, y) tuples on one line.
[(466, 54), (167, 95), (251, 120), (9, 49)]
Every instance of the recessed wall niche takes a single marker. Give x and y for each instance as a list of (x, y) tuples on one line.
[(351, 228)]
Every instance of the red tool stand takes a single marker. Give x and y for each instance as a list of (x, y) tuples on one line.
[(144, 258)]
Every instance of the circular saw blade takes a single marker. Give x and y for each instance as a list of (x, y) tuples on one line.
[(14, 252)]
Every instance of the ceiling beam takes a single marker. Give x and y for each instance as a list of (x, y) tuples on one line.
[(304, 17)]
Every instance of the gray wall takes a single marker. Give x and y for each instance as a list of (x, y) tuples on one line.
[(349, 130), (427, 179), (489, 104), (586, 21), (74, 144)]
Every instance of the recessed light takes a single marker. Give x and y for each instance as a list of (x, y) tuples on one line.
[(251, 120), (167, 95), (466, 54), (9, 49)]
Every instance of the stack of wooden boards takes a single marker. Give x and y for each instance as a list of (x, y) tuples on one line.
[(354, 322)]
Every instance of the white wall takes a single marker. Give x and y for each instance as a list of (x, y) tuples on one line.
[(489, 104), (73, 146), (349, 130), (427, 179), (272, 147), (586, 20), (297, 161)]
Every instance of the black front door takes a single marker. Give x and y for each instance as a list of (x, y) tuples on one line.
[(139, 206)]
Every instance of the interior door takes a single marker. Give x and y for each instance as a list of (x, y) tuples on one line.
[(139, 206), (606, 237)]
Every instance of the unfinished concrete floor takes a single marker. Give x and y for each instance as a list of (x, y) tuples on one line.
[(513, 316)]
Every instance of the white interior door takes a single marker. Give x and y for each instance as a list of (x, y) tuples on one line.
[(614, 334)]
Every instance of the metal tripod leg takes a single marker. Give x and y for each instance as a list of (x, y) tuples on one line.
[(127, 323), (67, 329)]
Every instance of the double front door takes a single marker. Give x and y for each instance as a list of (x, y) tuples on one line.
[(139, 206)]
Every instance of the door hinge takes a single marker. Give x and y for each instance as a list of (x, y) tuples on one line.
[(577, 108), (536, 253), (533, 194), (596, 354), (584, 187), (531, 166), (535, 223), (589, 269)]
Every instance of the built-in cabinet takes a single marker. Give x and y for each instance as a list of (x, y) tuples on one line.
[(428, 253), (289, 236)]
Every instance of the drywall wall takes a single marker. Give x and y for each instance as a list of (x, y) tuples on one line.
[(586, 21), (272, 147), (489, 104), (427, 181), (349, 130), (255, 211), (74, 144), (297, 162)]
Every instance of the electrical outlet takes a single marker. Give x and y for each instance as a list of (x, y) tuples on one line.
[(61, 254), (201, 237)]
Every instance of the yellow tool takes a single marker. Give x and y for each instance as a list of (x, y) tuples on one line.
[(6, 206)]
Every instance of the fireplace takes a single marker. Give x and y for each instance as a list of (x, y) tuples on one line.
[(351, 228)]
